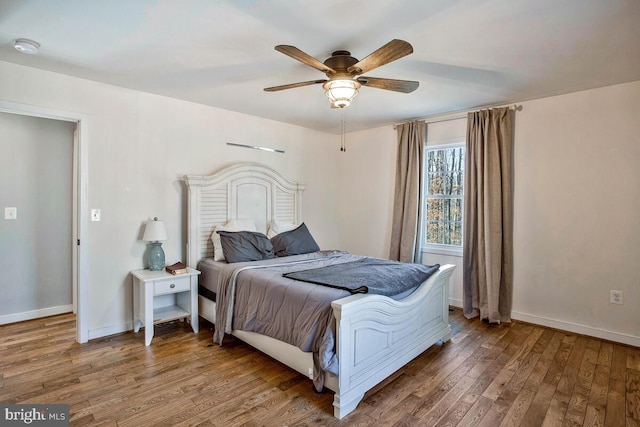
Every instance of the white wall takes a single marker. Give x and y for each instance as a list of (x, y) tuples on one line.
[(577, 211), (576, 207), (365, 188), (140, 145), (35, 177)]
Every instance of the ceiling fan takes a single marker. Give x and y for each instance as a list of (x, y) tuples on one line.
[(344, 72)]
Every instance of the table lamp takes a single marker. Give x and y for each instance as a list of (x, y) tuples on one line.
[(155, 232)]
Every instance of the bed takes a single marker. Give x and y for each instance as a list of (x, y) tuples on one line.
[(374, 335)]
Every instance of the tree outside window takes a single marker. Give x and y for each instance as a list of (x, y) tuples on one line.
[(443, 195)]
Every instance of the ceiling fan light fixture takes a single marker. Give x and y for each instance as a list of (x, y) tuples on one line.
[(26, 46), (341, 92)]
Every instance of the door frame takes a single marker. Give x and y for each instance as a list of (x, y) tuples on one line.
[(80, 220)]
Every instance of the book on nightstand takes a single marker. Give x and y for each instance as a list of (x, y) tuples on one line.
[(177, 268)]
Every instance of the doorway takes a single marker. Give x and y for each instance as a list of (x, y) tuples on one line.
[(79, 209)]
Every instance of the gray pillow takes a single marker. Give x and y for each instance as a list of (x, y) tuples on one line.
[(295, 242), (242, 246)]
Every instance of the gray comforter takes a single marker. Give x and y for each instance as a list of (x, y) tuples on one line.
[(250, 294), (254, 296)]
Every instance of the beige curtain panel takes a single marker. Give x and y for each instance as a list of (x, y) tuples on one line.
[(488, 216), (405, 231)]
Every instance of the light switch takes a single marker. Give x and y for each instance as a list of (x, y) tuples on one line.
[(11, 213), (95, 214)]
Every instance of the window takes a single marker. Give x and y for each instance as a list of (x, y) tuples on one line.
[(443, 196)]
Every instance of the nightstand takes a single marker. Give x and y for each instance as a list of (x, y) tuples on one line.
[(159, 297)]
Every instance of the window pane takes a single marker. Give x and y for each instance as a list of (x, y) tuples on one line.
[(435, 161), (456, 209), (450, 159), (456, 237), (444, 176), (452, 209), (436, 183), (453, 183), (448, 183), (455, 159), (434, 209), (431, 163), (434, 232), (453, 233)]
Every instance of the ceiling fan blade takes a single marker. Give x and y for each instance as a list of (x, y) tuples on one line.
[(293, 85), (391, 51), (306, 59), (404, 86)]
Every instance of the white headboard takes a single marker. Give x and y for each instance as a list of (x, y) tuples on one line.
[(239, 191)]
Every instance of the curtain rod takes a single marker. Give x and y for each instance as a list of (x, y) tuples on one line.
[(457, 115)]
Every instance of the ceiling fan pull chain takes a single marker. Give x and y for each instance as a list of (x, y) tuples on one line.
[(343, 147)]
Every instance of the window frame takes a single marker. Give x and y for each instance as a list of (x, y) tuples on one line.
[(439, 248)]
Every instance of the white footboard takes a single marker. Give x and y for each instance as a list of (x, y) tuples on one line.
[(377, 335)]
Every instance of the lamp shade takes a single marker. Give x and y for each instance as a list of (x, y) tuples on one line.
[(155, 231)]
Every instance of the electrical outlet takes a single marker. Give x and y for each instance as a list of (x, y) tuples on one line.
[(616, 297), (95, 214)]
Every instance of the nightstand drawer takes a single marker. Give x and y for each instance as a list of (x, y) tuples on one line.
[(179, 284)]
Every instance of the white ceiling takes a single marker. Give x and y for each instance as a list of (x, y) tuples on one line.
[(467, 53)]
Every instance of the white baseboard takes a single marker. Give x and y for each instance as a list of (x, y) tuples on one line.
[(578, 329), (568, 326), (35, 314), (110, 330)]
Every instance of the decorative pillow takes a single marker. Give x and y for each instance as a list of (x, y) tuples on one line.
[(231, 225), (242, 246), (277, 227), (295, 242)]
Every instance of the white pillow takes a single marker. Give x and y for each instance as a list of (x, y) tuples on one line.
[(277, 227), (231, 225)]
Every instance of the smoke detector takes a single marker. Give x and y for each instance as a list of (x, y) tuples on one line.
[(26, 46)]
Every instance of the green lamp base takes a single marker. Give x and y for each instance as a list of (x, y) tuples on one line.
[(156, 257)]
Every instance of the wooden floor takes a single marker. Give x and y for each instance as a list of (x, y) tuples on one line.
[(513, 375)]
